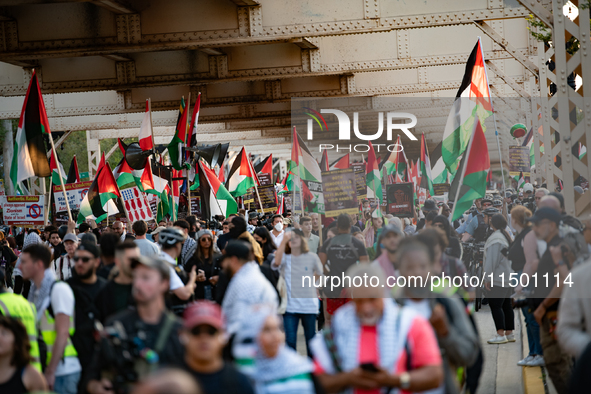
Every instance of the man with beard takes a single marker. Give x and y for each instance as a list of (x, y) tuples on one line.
[(444, 310), (116, 294), (151, 330), (387, 245), (86, 285), (360, 350), (247, 286)]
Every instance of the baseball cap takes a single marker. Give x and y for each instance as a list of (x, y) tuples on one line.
[(528, 187), (545, 213), (203, 312), (158, 229), (71, 237), (90, 247), (391, 228), (154, 263)]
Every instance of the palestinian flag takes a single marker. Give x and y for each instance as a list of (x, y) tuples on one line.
[(58, 175), (340, 164), (145, 137), (286, 184), (472, 101), (324, 161), (425, 168), (176, 193), (192, 135), (470, 183), (221, 174), (175, 148), (29, 158), (265, 166), (164, 203), (147, 178), (241, 176), (397, 163), (216, 199), (101, 192), (520, 179), (438, 171), (373, 178), (123, 173), (73, 173), (303, 165)]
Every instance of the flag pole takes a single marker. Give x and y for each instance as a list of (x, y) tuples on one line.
[(463, 171), (61, 178), (46, 215), (495, 122), (187, 131)]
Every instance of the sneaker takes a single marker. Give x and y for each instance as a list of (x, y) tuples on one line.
[(510, 337), (537, 361), (526, 361), (497, 340)]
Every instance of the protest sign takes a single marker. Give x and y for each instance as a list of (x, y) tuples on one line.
[(136, 204), (441, 188), (265, 179), (24, 211), (519, 161), (340, 193), (400, 199), (359, 169), (76, 193), (268, 198)]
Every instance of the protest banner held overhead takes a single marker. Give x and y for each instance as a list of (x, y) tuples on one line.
[(26, 211), (400, 200), (340, 193), (75, 192)]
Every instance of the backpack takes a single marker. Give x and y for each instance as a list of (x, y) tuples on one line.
[(342, 254)]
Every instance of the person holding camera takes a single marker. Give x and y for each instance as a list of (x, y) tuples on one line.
[(137, 341)]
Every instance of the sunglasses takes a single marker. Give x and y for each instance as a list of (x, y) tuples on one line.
[(84, 259), (205, 239), (209, 330)]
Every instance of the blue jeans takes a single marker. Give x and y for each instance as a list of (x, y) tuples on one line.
[(291, 322), (533, 332), (67, 384)]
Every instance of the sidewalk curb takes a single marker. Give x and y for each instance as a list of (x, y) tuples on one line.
[(533, 379)]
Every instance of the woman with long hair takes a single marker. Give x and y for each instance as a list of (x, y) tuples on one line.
[(263, 237), (454, 248), (208, 266), (17, 374), (499, 291), (299, 267)]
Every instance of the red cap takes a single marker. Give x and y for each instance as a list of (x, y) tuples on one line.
[(203, 312)]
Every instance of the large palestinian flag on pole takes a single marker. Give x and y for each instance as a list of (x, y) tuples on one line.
[(102, 191), (30, 155), (472, 101), (425, 168), (470, 182), (265, 166), (340, 164), (215, 198), (397, 164), (175, 148), (303, 164), (241, 176)]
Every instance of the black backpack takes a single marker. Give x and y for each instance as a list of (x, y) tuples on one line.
[(342, 254)]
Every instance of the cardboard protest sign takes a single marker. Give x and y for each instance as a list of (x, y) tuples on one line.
[(136, 204)]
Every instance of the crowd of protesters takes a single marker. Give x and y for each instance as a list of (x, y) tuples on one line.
[(215, 306)]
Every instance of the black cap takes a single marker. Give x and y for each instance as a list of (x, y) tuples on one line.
[(253, 215), (90, 247), (545, 213), (154, 263)]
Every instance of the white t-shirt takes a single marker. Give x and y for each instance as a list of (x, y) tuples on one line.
[(279, 238), (175, 281), (301, 298), (62, 301), (147, 248)]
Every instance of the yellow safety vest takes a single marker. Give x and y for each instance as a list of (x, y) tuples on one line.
[(47, 327), (17, 306)]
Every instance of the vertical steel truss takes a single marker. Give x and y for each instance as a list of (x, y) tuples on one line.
[(559, 112)]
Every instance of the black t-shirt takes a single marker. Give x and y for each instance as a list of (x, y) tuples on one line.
[(515, 253), (85, 315), (546, 266), (225, 381), (342, 251), (105, 270), (113, 298)]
